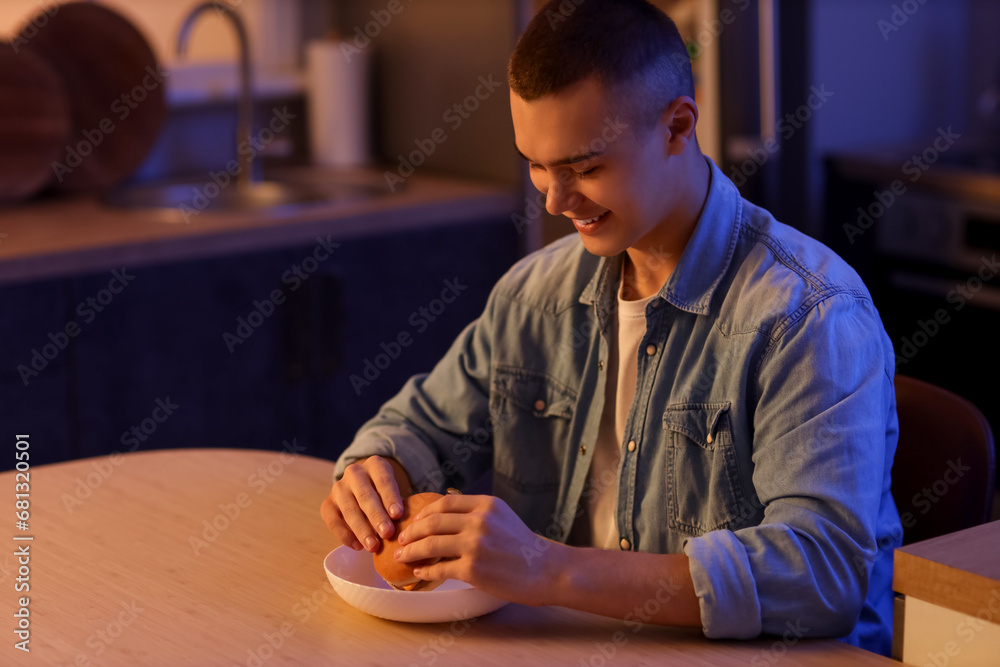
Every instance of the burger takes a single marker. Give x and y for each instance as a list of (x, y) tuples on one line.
[(400, 575)]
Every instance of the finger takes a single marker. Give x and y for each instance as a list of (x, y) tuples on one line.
[(356, 518), (435, 546), (335, 523), (450, 503), (384, 478), (435, 524), (439, 571), (370, 502)]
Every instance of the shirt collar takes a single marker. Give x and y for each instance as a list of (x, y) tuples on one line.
[(703, 263)]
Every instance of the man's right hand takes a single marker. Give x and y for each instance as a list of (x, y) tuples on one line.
[(363, 503)]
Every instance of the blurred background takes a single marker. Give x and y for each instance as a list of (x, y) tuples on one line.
[(150, 299)]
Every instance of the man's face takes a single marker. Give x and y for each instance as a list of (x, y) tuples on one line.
[(589, 162)]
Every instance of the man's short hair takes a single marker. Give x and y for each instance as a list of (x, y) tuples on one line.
[(631, 47)]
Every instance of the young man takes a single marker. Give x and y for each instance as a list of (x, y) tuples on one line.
[(698, 391)]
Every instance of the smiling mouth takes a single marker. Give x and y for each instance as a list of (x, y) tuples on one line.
[(590, 221)]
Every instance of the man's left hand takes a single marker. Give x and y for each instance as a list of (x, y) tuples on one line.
[(483, 543)]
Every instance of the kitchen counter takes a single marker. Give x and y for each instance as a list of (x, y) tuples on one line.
[(75, 235)]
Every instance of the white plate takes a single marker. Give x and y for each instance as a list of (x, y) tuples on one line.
[(353, 576)]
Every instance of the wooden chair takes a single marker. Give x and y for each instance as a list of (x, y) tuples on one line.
[(944, 471)]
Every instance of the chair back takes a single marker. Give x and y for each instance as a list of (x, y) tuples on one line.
[(944, 471)]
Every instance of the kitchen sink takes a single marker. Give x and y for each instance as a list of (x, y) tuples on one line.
[(241, 190), (184, 200)]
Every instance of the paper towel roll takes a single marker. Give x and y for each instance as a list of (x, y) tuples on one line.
[(337, 81)]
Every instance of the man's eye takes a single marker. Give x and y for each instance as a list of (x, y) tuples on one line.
[(587, 173)]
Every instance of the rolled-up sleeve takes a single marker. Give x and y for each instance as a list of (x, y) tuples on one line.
[(821, 457), (423, 426)]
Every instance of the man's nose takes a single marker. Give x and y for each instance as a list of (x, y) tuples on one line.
[(560, 197)]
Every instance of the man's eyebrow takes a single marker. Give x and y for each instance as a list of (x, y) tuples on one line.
[(573, 159)]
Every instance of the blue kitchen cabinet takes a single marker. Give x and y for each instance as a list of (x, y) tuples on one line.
[(36, 352), (390, 309), (157, 369), (263, 349)]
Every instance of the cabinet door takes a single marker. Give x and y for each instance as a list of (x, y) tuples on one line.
[(390, 309), (190, 355), (35, 358)]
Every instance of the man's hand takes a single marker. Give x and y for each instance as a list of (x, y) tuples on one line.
[(484, 543), (363, 503)]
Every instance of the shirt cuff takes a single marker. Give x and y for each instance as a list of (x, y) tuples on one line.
[(398, 443), (724, 584)]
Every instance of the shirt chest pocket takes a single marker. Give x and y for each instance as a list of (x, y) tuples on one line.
[(703, 485), (533, 413)]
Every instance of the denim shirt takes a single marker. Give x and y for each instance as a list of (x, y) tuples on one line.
[(764, 420)]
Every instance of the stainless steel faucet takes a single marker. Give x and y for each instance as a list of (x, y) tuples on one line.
[(244, 120)]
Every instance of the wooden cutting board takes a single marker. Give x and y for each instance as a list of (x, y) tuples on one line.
[(35, 122), (115, 87)]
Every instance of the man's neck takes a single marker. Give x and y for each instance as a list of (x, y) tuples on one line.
[(650, 263)]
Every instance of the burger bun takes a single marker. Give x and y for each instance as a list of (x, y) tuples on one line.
[(400, 575)]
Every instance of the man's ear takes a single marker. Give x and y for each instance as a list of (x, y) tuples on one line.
[(680, 119)]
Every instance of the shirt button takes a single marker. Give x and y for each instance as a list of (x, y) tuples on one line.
[(625, 545), (539, 405), (600, 365), (650, 350), (631, 445), (709, 438), (583, 449)]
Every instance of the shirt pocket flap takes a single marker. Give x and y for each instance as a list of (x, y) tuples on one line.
[(698, 421), (536, 392)]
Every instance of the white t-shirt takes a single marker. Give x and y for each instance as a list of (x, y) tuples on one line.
[(596, 524)]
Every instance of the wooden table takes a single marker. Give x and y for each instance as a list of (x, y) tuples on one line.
[(951, 584), (215, 557)]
